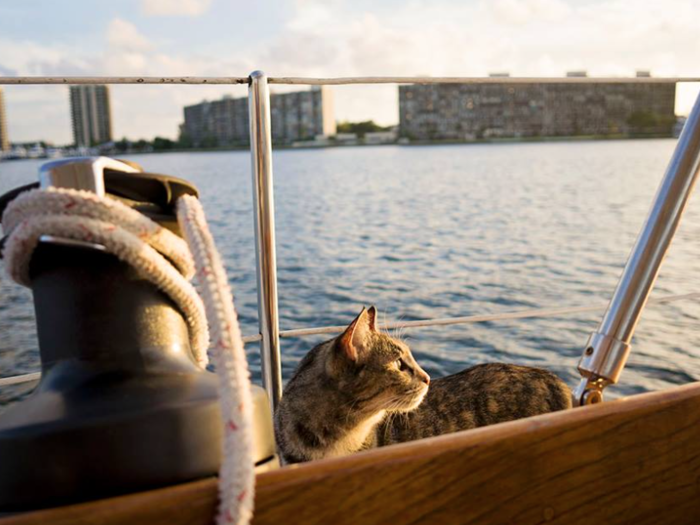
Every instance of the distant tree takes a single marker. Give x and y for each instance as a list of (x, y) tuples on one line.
[(641, 120), (162, 144), (122, 146), (360, 128), (184, 141), (649, 122), (210, 142), (432, 130), (142, 144)]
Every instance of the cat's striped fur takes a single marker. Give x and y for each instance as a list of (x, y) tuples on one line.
[(364, 389)]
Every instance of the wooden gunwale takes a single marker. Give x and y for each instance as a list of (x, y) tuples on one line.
[(635, 460)]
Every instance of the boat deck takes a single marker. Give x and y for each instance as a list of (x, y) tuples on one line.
[(635, 460)]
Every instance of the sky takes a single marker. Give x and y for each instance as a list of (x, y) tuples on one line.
[(322, 38)]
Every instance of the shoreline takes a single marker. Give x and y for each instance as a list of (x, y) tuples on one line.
[(417, 143), (503, 140), (422, 143)]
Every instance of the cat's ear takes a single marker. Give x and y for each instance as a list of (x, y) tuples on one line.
[(372, 313), (353, 342)]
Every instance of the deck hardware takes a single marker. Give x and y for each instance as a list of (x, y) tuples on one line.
[(82, 173), (611, 341)]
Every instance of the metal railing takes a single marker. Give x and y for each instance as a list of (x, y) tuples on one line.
[(341, 81), (265, 248), (606, 353), (535, 313)]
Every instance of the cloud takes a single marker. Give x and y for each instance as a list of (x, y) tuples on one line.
[(124, 35), (174, 7), (25, 57), (527, 37), (43, 112), (363, 37), (7, 72), (524, 37), (524, 11)]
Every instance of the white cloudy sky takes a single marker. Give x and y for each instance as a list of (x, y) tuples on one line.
[(322, 38)]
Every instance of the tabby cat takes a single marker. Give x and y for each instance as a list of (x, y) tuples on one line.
[(364, 389)]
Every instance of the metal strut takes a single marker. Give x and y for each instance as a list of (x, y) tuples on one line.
[(265, 253), (608, 347)]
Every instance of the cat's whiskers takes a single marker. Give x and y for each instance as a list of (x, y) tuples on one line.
[(407, 402), (396, 404), (388, 425), (398, 332)]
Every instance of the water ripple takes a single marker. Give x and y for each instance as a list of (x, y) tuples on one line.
[(436, 232)]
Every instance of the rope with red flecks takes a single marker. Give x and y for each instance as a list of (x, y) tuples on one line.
[(169, 262), (237, 475)]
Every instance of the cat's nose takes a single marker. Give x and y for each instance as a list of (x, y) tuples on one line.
[(424, 377)]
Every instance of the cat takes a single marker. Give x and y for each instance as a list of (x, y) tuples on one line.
[(363, 389)]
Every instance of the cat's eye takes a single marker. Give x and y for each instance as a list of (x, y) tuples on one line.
[(401, 365)]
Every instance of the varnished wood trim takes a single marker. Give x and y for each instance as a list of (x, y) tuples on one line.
[(189, 503), (635, 460)]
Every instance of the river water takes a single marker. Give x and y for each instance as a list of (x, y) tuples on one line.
[(438, 231)]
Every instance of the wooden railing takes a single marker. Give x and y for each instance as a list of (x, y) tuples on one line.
[(634, 460)]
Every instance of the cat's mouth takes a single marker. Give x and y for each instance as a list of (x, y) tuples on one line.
[(411, 401)]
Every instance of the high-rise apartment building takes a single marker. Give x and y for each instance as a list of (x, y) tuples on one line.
[(91, 115), (295, 116), (4, 138), (221, 122)]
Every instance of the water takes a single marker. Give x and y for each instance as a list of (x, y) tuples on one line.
[(438, 231)]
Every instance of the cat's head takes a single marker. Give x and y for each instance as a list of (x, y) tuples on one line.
[(376, 369)]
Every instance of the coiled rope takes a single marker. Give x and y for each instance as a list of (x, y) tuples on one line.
[(167, 261)]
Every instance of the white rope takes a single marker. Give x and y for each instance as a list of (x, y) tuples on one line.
[(58, 201), (237, 475), (130, 236), (165, 260)]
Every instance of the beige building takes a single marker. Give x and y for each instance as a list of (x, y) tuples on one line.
[(215, 123), (91, 115), (4, 138), (301, 115), (464, 112)]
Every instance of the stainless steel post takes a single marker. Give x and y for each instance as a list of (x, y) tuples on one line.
[(607, 349), (264, 211)]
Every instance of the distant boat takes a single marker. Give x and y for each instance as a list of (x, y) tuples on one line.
[(37, 151), (16, 153), (53, 153)]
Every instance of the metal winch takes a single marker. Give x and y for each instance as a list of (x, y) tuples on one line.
[(121, 406)]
